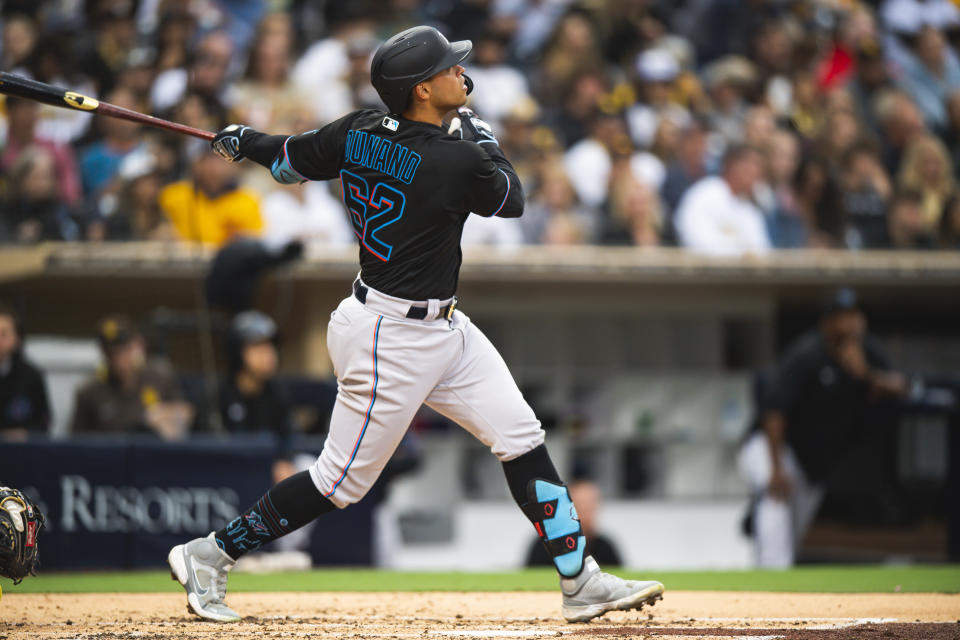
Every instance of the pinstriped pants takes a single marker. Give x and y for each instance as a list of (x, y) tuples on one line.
[(388, 365)]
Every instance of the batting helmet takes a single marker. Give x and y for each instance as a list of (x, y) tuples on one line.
[(410, 57)]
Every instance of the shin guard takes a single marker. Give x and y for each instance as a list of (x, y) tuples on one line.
[(551, 511)]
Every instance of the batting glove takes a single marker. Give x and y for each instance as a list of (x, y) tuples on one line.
[(473, 128), (227, 142)]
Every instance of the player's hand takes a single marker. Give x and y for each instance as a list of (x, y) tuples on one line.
[(889, 383), (779, 487), (227, 142), (473, 128), (852, 358)]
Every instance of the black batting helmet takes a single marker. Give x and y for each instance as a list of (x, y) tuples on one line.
[(410, 57)]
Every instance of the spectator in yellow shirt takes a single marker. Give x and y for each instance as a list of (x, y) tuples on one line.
[(211, 208)]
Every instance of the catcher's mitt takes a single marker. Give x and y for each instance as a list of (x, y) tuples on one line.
[(20, 524)]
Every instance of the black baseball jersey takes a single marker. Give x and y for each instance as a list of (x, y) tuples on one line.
[(824, 406), (408, 187)]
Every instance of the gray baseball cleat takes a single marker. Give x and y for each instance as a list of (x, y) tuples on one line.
[(202, 567), (593, 593)]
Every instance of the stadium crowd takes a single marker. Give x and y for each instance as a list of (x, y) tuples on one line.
[(725, 126)]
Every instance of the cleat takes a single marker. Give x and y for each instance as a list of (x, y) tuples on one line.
[(202, 567), (592, 593)]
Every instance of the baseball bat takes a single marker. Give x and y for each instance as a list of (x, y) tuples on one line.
[(15, 85)]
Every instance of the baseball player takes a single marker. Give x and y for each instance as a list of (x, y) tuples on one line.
[(398, 341)]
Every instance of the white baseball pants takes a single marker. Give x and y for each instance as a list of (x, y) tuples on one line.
[(778, 525), (388, 365)]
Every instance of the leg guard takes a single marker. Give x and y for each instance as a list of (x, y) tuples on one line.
[(551, 511)]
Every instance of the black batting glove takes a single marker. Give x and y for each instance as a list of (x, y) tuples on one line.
[(227, 142), (472, 128)]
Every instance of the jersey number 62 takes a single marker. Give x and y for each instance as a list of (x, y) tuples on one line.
[(371, 211)]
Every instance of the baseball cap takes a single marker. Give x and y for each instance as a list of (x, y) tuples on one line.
[(837, 300), (657, 65), (254, 326), (114, 331)]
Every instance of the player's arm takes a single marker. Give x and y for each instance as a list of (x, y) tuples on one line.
[(493, 188), (776, 397), (314, 155)]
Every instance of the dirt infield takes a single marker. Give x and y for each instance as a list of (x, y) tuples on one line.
[(328, 616)]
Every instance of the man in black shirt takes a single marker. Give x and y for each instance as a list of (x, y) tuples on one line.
[(24, 406), (810, 412), (251, 401), (409, 182)]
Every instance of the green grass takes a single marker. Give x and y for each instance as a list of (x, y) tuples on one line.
[(862, 579)]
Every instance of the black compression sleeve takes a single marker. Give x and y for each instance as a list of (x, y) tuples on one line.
[(260, 147)]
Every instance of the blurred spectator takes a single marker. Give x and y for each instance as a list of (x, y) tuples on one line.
[(308, 213), (908, 17), (772, 51), (131, 393), (811, 408), (535, 21), (553, 214), (716, 215), (589, 163), (949, 232), (907, 227), (818, 200), (864, 190), (22, 118), (114, 38), (504, 87), (323, 69), (133, 213), (927, 168), (33, 210), (19, 43), (525, 140), (360, 49), (24, 403), (839, 132), (899, 121), (210, 207), (634, 215), (251, 399), (100, 160), (572, 49), (206, 75), (787, 226), (869, 79), (587, 500), (265, 98), (689, 166), (728, 82), (174, 32), (807, 113), (656, 71), (856, 29), (578, 108), (930, 75), (952, 135)]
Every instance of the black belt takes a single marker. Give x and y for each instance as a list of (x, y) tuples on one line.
[(417, 313)]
